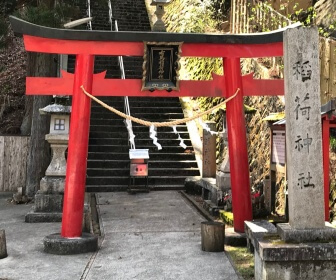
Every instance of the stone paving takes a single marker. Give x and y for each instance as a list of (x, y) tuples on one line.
[(145, 236)]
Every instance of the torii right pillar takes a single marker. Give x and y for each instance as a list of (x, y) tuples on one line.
[(239, 167)]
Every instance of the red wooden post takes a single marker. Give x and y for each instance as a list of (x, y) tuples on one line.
[(325, 146), (239, 167), (78, 148)]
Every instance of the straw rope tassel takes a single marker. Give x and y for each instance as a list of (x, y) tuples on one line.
[(158, 124)]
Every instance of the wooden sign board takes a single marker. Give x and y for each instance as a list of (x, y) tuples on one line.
[(279, 147), (161, 66)]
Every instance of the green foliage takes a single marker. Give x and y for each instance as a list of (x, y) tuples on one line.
[(327, 31), (41, 15), (333, 143), (219, 10), (50, 13), (7, 7), (45, 15), (307, 17), (193, 16), (227, 217)]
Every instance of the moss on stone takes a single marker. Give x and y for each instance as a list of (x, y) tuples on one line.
[(227, 217)]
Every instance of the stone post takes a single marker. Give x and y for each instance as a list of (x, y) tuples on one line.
[(209, 152), (303, 129), (3, 246), (304, 139)]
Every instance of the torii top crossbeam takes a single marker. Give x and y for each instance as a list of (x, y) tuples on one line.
[(65, 41), (87, 44)]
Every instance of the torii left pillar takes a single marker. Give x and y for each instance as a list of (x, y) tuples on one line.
[(72, 240)]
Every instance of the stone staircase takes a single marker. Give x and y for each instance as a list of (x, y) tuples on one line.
[(108, 159)]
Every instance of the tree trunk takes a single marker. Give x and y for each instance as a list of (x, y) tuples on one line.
[(25, 128), (42, 65)]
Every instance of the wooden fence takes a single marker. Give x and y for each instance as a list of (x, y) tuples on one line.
[(13, 162), (249, 16), (328, 69)]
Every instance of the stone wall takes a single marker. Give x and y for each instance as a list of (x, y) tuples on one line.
[(258, 135)]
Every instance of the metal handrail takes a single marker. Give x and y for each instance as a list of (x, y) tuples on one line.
[(89, 14), (123, 77)]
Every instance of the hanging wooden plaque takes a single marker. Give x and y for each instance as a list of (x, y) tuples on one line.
[(161, 66)]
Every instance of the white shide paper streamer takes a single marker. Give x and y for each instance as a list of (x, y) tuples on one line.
[(152, 135), (182, 144), (130, 132)]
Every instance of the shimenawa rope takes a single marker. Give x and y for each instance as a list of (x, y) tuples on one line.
[(158, 124)]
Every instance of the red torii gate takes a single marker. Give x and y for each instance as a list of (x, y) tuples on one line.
[(86, 44)]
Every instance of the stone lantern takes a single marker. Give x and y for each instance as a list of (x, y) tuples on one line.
[(58, 140), (159, 24), (49, 199)]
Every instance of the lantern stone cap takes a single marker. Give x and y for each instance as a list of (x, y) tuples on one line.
[(55, 109), (160, 2)]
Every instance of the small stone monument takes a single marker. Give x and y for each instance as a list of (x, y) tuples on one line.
[(209, 151), (223, 175), (49, 199), (305, 247), (223, 179)]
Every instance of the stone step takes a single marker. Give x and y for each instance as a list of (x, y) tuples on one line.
[(154, 116), (153, 156), (154, 171), (119, 121), (139, 101), (117, 148), (138, 141), (139, 135), (124, 163), (137, 110), (120, 126), (124, 180), (124, 188)]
